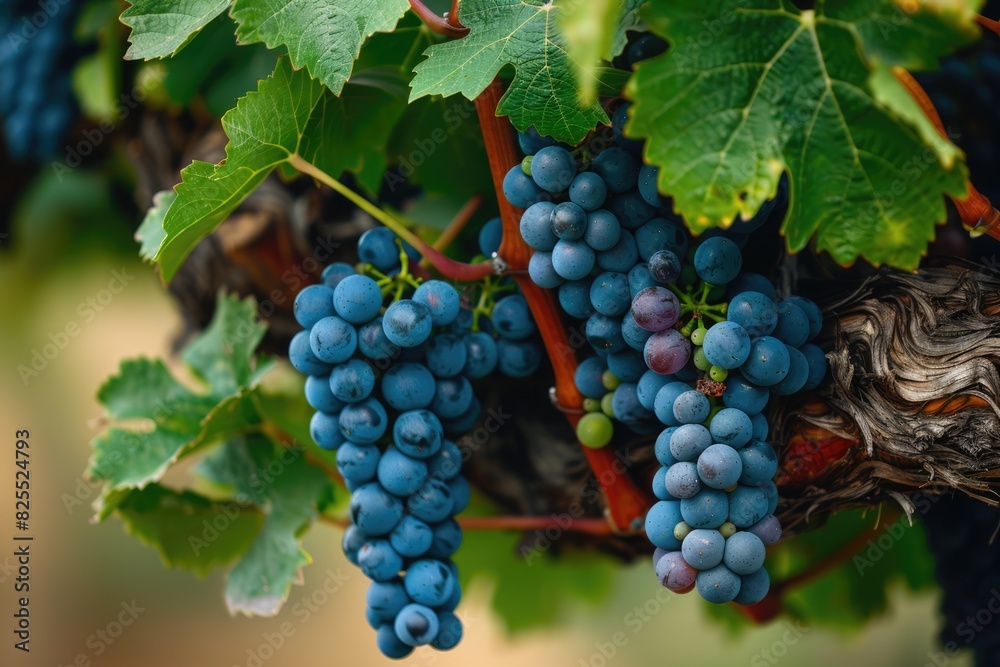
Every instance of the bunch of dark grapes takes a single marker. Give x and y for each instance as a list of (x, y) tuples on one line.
[(685, 346), (37, 53), (390, 378)]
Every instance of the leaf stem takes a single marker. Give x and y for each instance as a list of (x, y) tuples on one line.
[(437, 23)]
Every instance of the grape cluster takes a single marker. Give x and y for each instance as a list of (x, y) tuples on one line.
[(685, 345), (36, 56), (390, 386)]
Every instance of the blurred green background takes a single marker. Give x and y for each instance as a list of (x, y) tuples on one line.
[(68, 238)]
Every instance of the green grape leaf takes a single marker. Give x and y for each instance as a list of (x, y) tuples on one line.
[(150, 233), (157, 420), (522, 35), (780, 90), (161, 28), (294, 492), (289, 115), (189, 531), (324, 36)]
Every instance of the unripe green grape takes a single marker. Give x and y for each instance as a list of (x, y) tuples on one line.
[(701, 362), (526, 165), (591, 404), (681, 530), (594, 430), (607, 405), (727, 529), (609, 380), (718, 374), (698, 335)]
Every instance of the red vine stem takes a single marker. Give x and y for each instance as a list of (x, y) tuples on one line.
[(975, 209), (438, 24), (989, 24), (626, 504), (589, 526)]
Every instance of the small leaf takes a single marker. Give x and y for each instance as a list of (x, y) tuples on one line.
[(190, 531), (543, 91), (223, 354), (161, 28), (150, 233)]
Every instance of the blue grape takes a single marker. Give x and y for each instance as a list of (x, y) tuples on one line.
[(663, 402), (319, 395), (574, 297), (661, 448), (622, 256), (646, 47), (363, 422), (718, 260), (512, 318), (609, 294), (429, 582), (432, 502), (325, 430), (399, 474), (744, 553), (441, 299), (603, 230), (760, 463), (374, 344), (689, 441), (569, 221), (691, 407), (630, 209), (572, 260), (708, 509), (543, 272), (357, 464), (626, 406), (334, 273), (812, 312), (648, 189), (357, 299), (618, 168), (760, 426), (718, 585), (446, 355), (312, 304), (536, 226), (447, 539), (620, 117), (452, 397), (481, 354), (374, 510), (661, 234), (664, 266), (461, 494), (682, 480), (744, 395), (531, 141), (411, 538), (731, 427), (703, 549), (588, 191), (793, 325), (333, 340), (798, 374), (588, 377), (659, 485), (751, 282), (447, 463), (817, 365), (553, 169), (768, 362), (518, 358), (768, 529), (407, 323), (747, 506), (627, 366), (660, 522), (639, 278), (770, 490), (354, 538), (520, 190), (719, 466), (450, 633), (377, 246), (418, 434), (753, 587), (417, 625), (754, 312), (379, 561), (649, 384), (727, 345), (634, 335), (386, 599), (408, 386), (604, 333), (352, 381), (490, 236)]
